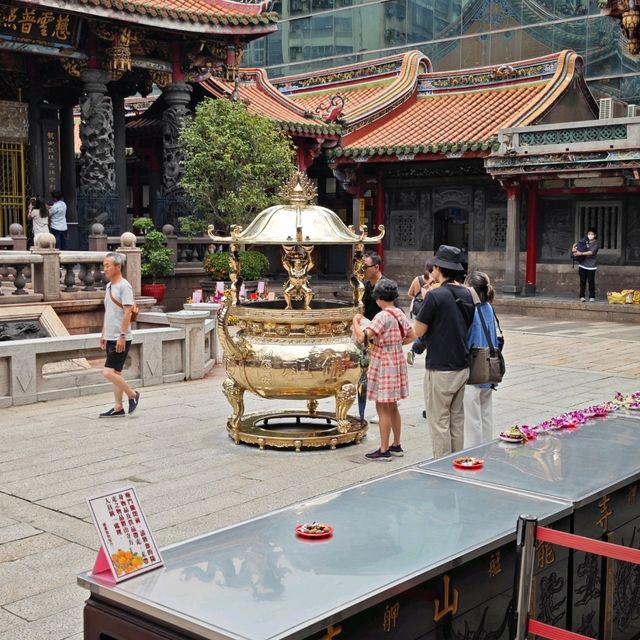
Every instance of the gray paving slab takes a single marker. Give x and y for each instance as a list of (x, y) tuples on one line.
[(59, 626), (192, 479), (8, 620), (47, 603), (17, 531), (10, 551)]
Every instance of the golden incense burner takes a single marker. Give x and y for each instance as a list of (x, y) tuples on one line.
[(297, 347)]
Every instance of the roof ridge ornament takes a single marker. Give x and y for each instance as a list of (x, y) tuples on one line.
[(299, 190)]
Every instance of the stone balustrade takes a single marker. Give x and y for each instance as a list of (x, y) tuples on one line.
[(55, 274), (185, 252), (59, 367)]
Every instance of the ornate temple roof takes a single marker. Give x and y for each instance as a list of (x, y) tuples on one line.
[(367, 88), (409, 111), (261, 97), (225, 16)]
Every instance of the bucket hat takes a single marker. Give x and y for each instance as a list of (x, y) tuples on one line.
[(448, 257)]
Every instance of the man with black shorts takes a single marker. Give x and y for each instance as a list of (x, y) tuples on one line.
[(116, 334)]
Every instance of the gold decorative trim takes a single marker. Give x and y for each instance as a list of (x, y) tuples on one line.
[(299, 190), (326, 434)]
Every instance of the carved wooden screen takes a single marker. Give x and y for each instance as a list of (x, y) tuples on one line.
[(12, 186)]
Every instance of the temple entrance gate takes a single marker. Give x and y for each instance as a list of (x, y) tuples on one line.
[(12, 186)]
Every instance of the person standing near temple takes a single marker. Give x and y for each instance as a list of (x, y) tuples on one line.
[(116, 334), (372, 275), (58, 220), (444, 319), (585, 252), (387, 375), (478, 398), (37, 214)]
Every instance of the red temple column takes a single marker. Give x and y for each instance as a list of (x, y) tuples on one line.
[(379, 215), (532, 240)]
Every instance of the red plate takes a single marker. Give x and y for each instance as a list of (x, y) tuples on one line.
[(313, 536), (468, 467)]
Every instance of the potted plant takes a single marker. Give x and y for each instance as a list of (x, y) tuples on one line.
[(155, 260), (253, 266)]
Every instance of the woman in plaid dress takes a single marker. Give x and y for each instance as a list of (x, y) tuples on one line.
[(387, 380)]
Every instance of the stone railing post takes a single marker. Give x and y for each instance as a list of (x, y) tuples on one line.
[(193, 324), (16, 232), (172, 241), (133, 261), (46, 276), (97, 238)]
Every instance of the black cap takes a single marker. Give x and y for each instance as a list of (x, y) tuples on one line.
[(448, 257)]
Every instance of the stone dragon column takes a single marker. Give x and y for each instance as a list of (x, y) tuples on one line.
[(97, 197), (176, 97)]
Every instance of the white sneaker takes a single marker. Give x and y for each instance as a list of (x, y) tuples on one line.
[(583, 300), (373, 419), (592, 299)]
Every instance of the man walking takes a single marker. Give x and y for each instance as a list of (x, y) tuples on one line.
[(58, 220), (444, 320), (116, 334)]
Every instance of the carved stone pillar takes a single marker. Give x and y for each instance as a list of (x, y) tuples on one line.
[(176, 97), (120, 153), (68, 172), (511, 284), (97, 197)]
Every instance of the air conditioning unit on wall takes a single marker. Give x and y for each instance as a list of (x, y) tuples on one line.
[(633, 111), (612, 108)]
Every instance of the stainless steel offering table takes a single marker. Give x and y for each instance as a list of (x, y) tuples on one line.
[(595, 467), (411, 552)]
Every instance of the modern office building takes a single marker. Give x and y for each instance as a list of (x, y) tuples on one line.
[(454, 34)]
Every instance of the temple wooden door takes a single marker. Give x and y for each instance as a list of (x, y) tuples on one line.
[(12, 186)]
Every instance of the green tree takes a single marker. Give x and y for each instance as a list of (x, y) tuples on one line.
[(234, 161)]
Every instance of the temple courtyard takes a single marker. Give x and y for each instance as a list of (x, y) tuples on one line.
[(192, 479)]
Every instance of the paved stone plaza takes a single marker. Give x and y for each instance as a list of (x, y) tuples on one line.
[(192, 479)]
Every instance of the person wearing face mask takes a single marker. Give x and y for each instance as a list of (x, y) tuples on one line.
[(585, 251)]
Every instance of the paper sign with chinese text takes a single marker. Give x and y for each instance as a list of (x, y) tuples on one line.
[(125, 534)]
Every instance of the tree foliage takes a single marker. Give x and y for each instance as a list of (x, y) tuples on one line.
[(234, 161)]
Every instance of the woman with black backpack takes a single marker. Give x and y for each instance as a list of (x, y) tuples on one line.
[(418, 290)]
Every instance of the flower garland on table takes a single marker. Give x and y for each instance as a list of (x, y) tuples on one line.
[(571, 419)]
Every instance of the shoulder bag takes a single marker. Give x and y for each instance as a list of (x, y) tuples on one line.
[(500, 334), (134, 309), (486, 364)]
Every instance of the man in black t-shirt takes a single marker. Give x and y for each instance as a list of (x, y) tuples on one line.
[(372, 275), (444, 320)]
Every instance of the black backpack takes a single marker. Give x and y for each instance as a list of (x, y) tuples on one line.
[(418, 300)]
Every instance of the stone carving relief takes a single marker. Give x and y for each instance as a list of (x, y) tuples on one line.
[(174, 118), (477, 232), (14, 121), (443, 198), (97, 160)]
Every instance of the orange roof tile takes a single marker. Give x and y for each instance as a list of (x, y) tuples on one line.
[(354, 97), (255, 90), (228, 16), (367, 87), (462, 111)]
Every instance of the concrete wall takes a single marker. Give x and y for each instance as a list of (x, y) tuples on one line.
[(59, 367)]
